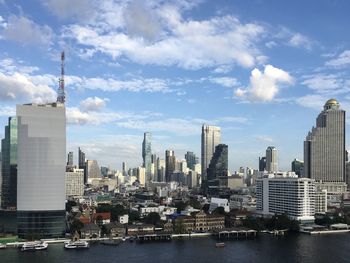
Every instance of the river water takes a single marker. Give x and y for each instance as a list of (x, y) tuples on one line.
[(264, 248)]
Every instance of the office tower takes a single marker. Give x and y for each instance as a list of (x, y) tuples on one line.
[(147, 154), (141, 175), (161, 170), (324, 149), (298, 167), (262, 164), (75, 183), (291, 195), (218, 166), (70, 159), (81, 157), (170, 161), (0, 178), (41, 170), (271, 159), (154, 168), (211, 137), (347, 174), (92, 170), (124, 169), (9, 166), (191, 160)]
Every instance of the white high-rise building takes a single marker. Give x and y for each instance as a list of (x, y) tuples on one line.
[(291, 195), (141, 175), (211, 137), (41, 170), (271, 159), (75, 183)]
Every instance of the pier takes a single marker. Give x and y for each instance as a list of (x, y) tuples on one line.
[(229, 233), (154, 237)]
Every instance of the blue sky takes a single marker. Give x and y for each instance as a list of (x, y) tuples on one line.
[(261, 70)]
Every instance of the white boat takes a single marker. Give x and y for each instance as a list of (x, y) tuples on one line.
[(76, 244), (34, 245), (2, 246)]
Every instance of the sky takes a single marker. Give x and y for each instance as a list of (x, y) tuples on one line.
[(261, 70)]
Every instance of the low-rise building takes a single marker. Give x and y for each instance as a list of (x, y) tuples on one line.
[(90, 230), (115, 229), (124, 219), (201, 222)]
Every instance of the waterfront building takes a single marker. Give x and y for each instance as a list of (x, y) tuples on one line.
[(324, 149), (321, 201), (147, 154), (291, 195), (271, 159), (9, 166), (298, 167), (41, 170), (262, 164), (70, 159), (75, 183), (170, 161), (211, 137), (200, 222), (191, 160), (92, 170)]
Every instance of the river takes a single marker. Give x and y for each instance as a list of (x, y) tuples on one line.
[(265, 248)]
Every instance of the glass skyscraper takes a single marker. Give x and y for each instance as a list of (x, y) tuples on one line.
[(147, 154), (271, 159)]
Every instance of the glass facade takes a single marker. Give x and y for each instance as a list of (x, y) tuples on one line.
[(147, 154), (41, 224)]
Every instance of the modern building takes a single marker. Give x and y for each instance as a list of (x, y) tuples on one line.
[(211, 137), (82, 163), (70, 159), (271, 159), (141, 175), (147, 154), (262, 164), (75, 183), (93, 170), (170, 161), (298, 167), (191, 160), (41, 170), (124, 169), (9, 166), (286, 195), (160, 170), (324, 149)]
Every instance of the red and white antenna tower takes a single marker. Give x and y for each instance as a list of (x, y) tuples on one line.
[(61, 96)]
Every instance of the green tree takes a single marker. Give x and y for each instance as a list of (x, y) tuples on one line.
[(219, 211), (133, 216), (179, 227), (195, 204), (115, 211), (152, 218), (76, 225), (99, 220), (180, 206)]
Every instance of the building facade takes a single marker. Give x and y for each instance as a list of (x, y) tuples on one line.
[(211, 137), (147, 154), (298, 167), (262, 164), (324, 149), (41, 170), (271, 159), (170, 161), (93, 170), (191, 160), (75, 183), (70, 159)]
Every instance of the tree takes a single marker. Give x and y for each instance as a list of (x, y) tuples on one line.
[(180, 206), (99, 220), (152, 218), (179, 227), (76, 225), (133, 216), (195, 204), (219, 211), (117, 210), (70, 204)]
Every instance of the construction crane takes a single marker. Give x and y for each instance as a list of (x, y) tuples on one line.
[(61, 96)]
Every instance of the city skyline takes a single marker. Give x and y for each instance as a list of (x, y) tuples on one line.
[(270, 67)]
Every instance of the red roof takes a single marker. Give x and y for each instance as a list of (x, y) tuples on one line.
[(105, 216), (84, 220)]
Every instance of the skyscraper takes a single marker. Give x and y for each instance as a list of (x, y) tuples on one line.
[(211, 137), (92, 170), (124, 169), (191, 160), (170, 161), (298, 167), (81, 157), (70, 159), (9, 165), (271, 159), (262, 164), (324, 149), (147, 154), (41, 170)]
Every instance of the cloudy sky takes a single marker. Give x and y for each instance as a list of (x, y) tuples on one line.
[(259, 69)]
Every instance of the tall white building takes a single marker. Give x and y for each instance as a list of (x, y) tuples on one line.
[(211, 137), (271, 159), (41, 170), (291, 195), (75, 183), (92, 170)]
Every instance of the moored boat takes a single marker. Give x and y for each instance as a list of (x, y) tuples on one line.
[(76, 244), (34, 245), (2, 246), (218, 245)]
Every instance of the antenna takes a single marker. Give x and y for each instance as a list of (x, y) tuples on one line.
[(61, 97)]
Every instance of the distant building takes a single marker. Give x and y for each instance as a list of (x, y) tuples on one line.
[(200, 222), (75, 183), (291, 195), (9, 166), (147, 154), (271, 159), (124, 169), (262, 164), (298, 167), (191, 160), (41, 170), (170, 161), (141, 175), (70, 159), (324, 149), (160, 170), (211, 137), (92, 170), (82, 163)]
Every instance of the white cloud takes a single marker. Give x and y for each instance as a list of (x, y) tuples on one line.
[(330, 84), (25, 31), (223, 69), (312, 101), (299, 40), (264, 86), (263, 138), (93, 104), (342, 60), (7, 111), (225, 81)]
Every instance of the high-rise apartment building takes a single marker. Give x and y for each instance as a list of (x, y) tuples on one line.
[(170, 161), (211, 137), (147, 154), (41, 170), (75, 183), (324, 149), (271, 159), (191, 160), (70, 159), (9, 166)]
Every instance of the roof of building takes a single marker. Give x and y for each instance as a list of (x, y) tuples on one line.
[(332, 102), (91, 226), (105, 216)]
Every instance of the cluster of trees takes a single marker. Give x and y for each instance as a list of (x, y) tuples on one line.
[(335, 219), (277, 222)]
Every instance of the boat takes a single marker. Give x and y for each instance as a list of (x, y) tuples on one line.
[(34, 245), (111, 242), (76, 244), (2, 246), (218, 245)]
